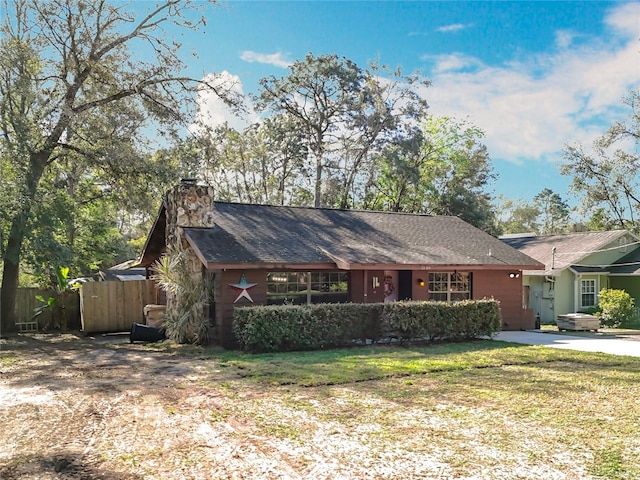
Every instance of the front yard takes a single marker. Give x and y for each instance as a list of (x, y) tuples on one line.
[(74, 408)]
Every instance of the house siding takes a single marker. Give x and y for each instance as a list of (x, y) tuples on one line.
[(485, 284), (564, 297), (630, 284), (225, 295), (419, 293), (508, 291), (540, 297)]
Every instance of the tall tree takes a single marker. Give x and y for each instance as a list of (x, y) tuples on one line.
[(68, 80), (389, 107), (608, 177), (319, 92), (265, 163), (518, 217), (344, 112), (553, 210)]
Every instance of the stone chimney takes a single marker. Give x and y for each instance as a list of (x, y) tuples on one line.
[(188, 204)]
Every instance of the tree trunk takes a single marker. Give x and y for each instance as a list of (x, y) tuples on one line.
[(318, 186), (8, 314), (10, 274), (19, 222)]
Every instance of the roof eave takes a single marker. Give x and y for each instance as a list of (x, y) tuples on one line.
[(278, 265), (159, 222)]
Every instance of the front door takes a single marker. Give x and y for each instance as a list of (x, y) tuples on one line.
[(405, 284)]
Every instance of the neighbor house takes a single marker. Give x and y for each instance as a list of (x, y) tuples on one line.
[(577, 267), (265, 254), (124, 272)]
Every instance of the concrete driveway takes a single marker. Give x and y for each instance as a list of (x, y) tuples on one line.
[(614, 346)]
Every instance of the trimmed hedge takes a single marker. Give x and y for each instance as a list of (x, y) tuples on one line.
[(278, 328)]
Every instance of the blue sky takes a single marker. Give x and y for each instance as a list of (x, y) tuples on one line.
[(533, 75)]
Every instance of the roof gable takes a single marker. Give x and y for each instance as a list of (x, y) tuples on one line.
[(558, 252)]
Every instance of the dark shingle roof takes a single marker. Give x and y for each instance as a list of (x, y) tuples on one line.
[(627, 265), (295, 235)]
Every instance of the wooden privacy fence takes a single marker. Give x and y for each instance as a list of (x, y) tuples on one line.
[(26, 304), (114, 306)]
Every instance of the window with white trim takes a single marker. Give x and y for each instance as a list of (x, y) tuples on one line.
[(449, 286), (587, 293)]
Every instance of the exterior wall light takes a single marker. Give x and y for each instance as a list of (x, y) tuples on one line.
[(420, 282), (514, 275)]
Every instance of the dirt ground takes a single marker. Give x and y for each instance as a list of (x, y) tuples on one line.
[(80, 409)]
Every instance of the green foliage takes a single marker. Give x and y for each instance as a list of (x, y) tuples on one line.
[(343, 114), (305, 327), (442, 320), (616, 308), (188, 295), (555, 211), (590, 311), (76, 112), (61, 302), (548, 214), (263, 164), (442, 169), (310, 327), (518, 217), (607, 176)]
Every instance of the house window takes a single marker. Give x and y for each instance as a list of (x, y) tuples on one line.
[(299, 288), (622, 245), (587, 293), (449, 287)]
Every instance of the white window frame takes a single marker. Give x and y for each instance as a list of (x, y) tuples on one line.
[(588, 286)]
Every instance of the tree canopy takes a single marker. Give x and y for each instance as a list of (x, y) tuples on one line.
[(345, 113), (76, 110), (608, 176), (547, 214)]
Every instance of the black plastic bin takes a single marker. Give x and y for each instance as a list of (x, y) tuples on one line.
[(145, 333)]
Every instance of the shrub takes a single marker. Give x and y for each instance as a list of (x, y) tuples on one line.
[(277, 328), (185, 320), (616, 308), (442, 320), (307, 327), (590, 311)]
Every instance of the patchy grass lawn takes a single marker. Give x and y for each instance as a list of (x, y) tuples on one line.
[(478, 410)]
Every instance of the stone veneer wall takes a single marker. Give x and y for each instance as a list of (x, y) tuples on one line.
[(187, 205)]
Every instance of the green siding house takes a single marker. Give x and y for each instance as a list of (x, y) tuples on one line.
[(577, 267)]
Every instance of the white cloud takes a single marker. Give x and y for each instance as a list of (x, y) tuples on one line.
[(454, 27), (452, 62), (530, 110), (564, 38), (213, 111), (276, 59), (625, 18)]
